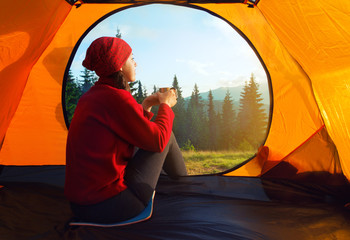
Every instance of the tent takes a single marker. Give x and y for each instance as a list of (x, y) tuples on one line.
[(305, 49)]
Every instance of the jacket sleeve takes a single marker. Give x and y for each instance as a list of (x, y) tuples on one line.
[(129, 121), (147, 114)]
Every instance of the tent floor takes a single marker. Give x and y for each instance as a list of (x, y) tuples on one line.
[(202, 207)]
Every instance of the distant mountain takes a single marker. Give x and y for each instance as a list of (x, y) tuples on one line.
[(220, 93)]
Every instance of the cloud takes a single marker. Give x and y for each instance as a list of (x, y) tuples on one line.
[(225, 73), (197, 66), (229, 80), (232, 82)]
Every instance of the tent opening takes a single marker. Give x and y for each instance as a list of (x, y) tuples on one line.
[(223, 109)]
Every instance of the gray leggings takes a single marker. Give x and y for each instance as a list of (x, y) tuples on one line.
[(141, 177)]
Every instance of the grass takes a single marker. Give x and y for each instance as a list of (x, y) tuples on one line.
[(207, 162)]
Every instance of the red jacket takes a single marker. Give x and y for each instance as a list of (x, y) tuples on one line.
[(106, 126)]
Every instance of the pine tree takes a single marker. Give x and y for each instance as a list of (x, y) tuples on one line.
[(243, 114), (133, 88), (251, 118), (88, 79), (139, 93), (196, 122), (218, 120), (212, 123), (154, 89), (196, 99), (154, 109), (118, 34), (145, 94), (177, 87), (72, 95), (179, 127), (227, 123), (258, 124)]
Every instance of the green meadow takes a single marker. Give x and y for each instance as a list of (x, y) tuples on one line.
[(208, 162)]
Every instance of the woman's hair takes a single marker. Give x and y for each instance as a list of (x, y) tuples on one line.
[(119, 81)]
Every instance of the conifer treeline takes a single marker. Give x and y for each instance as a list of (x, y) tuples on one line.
[(75, 88), (198, 124)]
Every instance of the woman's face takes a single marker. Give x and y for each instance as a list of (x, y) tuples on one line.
[(129, 69)]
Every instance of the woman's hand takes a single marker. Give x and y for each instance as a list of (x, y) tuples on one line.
[(157, 98), (168, 97), (150, 101)]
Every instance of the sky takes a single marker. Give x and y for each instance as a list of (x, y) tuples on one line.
[(169, 40)]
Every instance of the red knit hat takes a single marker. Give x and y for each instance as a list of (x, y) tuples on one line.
[(106, 55)]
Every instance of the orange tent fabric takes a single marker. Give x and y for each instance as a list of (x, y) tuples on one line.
[(304, 46)]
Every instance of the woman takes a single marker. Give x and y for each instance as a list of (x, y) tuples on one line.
[(107, 180)]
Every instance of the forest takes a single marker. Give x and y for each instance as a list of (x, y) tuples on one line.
[(204, 125)]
